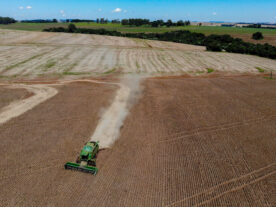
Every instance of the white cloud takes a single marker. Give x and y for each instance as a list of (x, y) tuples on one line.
[(29, 7), (99, 10), (125, 11), (62, 13), (21, 7), (117, 10), (214, 13)]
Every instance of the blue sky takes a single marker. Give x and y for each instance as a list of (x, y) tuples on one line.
[(195, 10)]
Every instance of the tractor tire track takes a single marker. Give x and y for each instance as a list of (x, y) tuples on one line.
[(215, 128), (234, 184), (16, 108)]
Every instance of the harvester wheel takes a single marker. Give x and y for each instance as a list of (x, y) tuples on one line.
[(92, 163)]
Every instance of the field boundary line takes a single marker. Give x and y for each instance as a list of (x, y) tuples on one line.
[(228, 182)]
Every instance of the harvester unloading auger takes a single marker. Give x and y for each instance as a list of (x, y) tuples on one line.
[(86, 162)]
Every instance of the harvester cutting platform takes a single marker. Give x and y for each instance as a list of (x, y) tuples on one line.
[(86, 162)]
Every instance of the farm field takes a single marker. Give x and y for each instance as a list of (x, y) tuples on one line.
[(197, 141), (177, 125), (8, 95), (244, 33), (32, 55)]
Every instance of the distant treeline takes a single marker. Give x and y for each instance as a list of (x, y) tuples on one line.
[(55, 20), (157, 23), (259, 26), (7, 20), (126, 22), (135, 22), (79, 20), (212, 42), (40, 21)]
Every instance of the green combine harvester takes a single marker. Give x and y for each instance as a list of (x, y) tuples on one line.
[(86, 162)]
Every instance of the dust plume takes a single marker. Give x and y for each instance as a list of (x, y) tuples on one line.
[(112, 119)]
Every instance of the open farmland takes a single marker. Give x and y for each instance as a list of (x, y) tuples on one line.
[(183, 137), (186, 142), (38, 55), (243, 33)]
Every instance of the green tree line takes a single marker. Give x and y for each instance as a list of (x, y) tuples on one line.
[(7, 20), (213, 42)]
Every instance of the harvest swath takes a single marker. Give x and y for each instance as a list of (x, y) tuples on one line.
[(42, 55)]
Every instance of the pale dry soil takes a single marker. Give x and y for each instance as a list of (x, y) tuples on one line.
[(40, 94), (25, 55)]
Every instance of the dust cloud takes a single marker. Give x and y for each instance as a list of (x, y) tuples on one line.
[(112, 119)]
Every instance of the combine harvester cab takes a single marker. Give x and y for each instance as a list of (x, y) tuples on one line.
[(86, 162)]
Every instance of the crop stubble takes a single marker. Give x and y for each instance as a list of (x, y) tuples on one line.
[(27, 54)]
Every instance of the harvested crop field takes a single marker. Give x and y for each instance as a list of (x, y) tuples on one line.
[(25, 55), (185, 142), (8, 95)]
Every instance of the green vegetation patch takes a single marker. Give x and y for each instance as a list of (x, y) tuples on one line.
[(49, 64), (22, 62), (210, 70), (260, 69), (110, 71), (75, 73), (269, 78)]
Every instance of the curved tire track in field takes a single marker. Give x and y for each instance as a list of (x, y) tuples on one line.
[(226, 187), (41, 94), (184, 134), (16, 108)]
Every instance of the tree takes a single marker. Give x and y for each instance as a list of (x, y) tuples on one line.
[(6, 20), (154, 24), (102, 20), (125, 22), (180, 23), (169, 23), (213, 46), (98, 21), (257, 36), (187, 23), (115, 21), (72, 28), (160, 22), (55, 20)]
